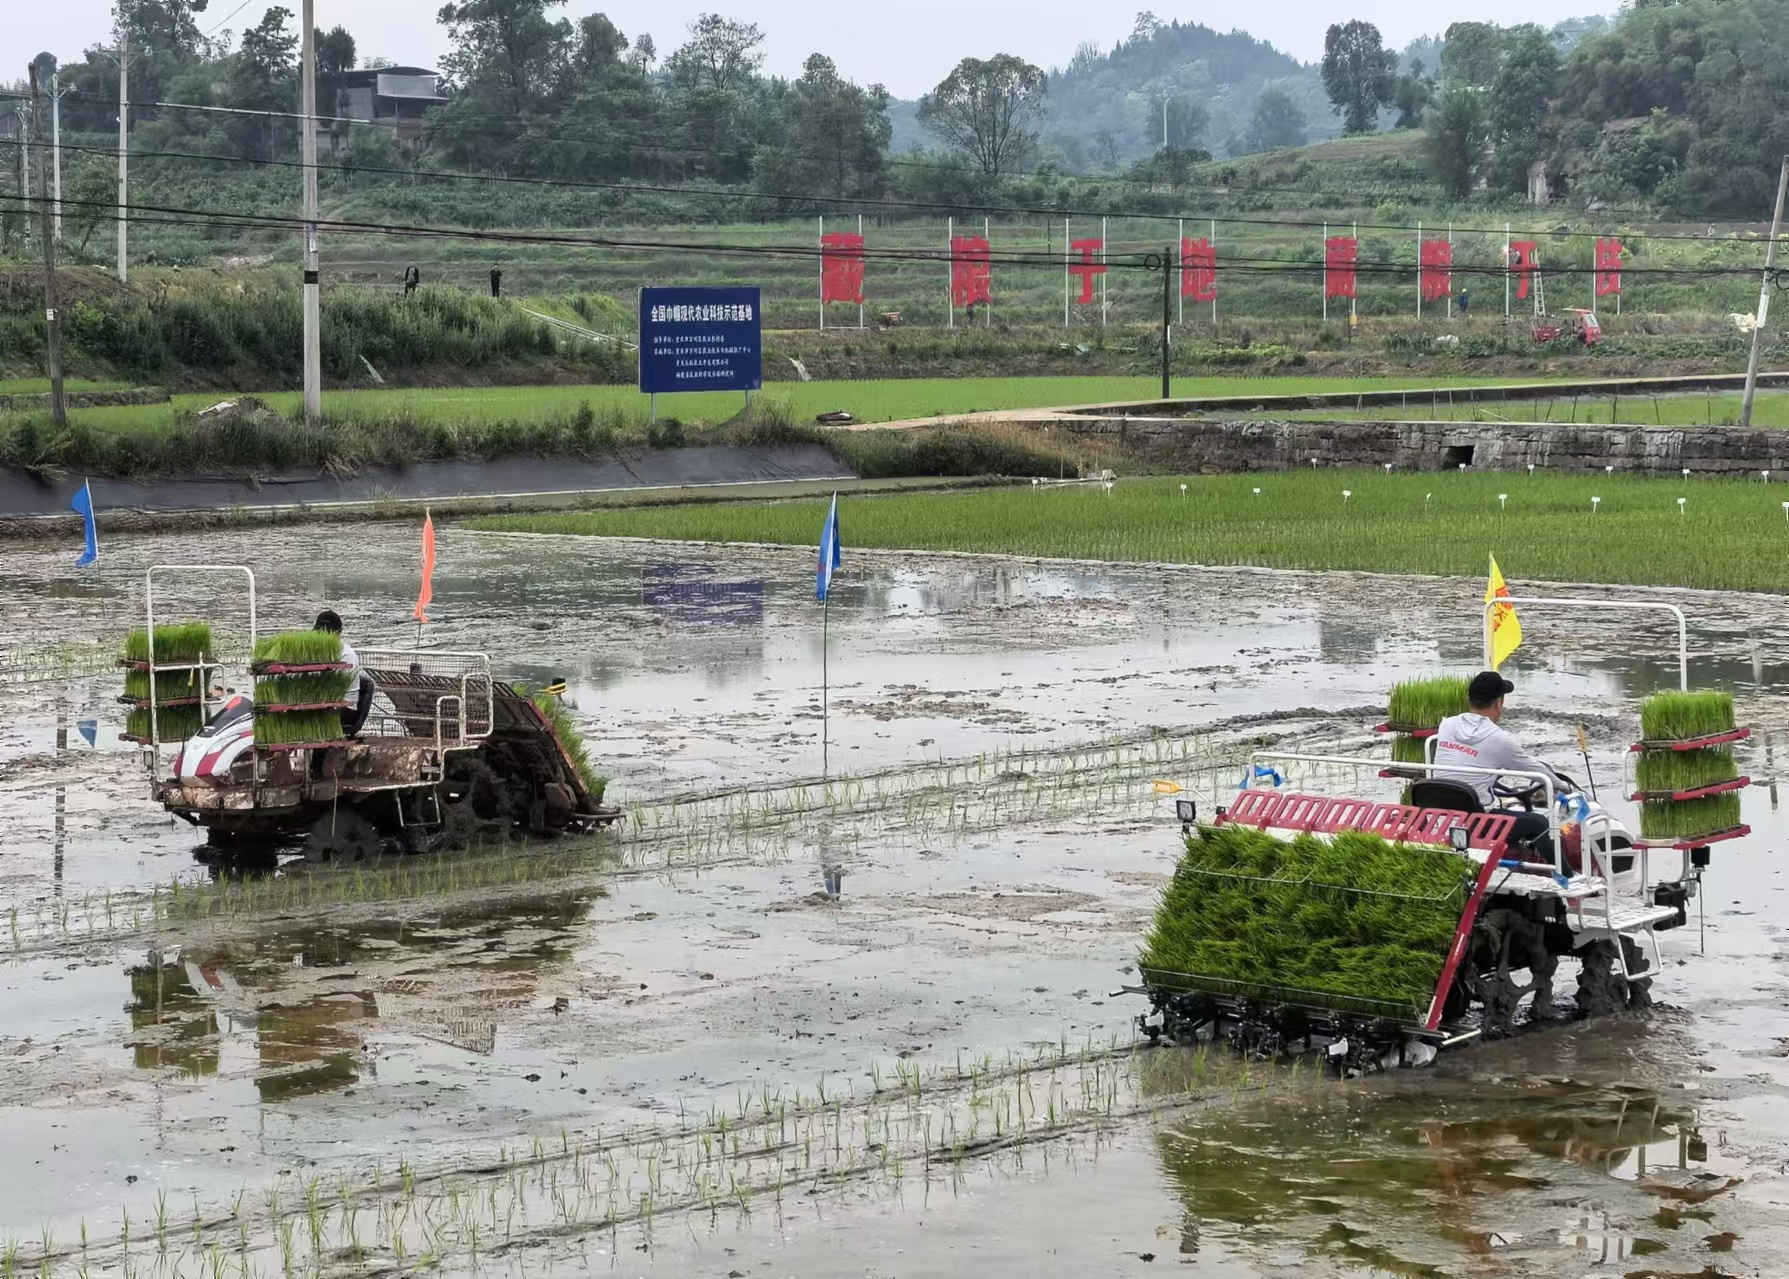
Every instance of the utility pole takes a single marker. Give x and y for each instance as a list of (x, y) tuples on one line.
[(123, 57), (313, 317), (1168, 262), (56, 145), (52, 304), (1770, 257), (23, 112)]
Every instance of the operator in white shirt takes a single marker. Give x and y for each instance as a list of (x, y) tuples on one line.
[(1477, 740)]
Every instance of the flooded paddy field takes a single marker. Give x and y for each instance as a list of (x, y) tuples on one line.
[(668, 1051)]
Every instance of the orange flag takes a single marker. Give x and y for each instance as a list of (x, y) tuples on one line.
[(427, 593)]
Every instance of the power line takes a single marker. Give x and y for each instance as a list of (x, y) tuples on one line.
[(724, 193), (1048, 259)]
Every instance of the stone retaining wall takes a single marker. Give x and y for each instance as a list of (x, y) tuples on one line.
[(1219, 446)]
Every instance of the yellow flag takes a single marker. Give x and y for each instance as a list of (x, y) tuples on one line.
[(1168, 788), (1506, 627)]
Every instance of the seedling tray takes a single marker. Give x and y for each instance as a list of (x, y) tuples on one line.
[(144, 703), (1693, 743), (277, 708), (1684, 843), (301, 746), (1408, 730), (1701, 792), (286, 668), (136, 664)]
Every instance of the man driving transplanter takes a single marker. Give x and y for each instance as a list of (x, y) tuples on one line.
[(1476, 740)]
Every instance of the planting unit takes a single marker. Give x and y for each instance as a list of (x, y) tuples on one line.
[(1380, 933), (447, 755)]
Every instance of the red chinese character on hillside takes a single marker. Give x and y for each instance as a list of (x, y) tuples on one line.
[(1608, 267), (841, 267), (1340, 253), (1437, 278), (1522, 264), (1198, 270), (971, 275), (1087, 268)]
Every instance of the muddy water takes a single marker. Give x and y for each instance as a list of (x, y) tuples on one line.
[(191, 1062)]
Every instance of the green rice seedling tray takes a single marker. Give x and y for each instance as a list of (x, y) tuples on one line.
[(1405, 730), (1686, 716), (1680, 796), (1691, 743), (281, 708), (292, 668), (1684, 845), (1290, 996)]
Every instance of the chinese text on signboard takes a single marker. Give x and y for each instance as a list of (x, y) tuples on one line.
[(701, 340)]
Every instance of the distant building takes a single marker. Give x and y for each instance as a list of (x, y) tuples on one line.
[(391, 97)]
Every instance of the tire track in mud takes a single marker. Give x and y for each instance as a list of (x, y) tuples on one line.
[(929, 803), (927, 1124)]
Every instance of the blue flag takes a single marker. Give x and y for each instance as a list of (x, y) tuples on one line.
[(89, 731), (83, 506), (829, 551)]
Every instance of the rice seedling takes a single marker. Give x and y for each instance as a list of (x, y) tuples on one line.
[(299, 648), (572, 739), (295, 727), (175, 642), (1676, 717), (1424, 703), (1406, 749), (1669, 772), (1686, 819), (301, 690), (1352, 921), (172, 723)]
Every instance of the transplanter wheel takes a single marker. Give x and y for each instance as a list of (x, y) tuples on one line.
[(1505, 942), (1602, 989), (343, 834)]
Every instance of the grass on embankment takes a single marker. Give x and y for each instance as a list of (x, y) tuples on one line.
[(872, 400), (1732, 533)]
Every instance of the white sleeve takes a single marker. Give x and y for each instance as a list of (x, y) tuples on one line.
[(1512, 756)]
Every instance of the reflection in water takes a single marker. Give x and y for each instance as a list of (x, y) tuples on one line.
[(303, 1001), (691, 594), (1377, 1174)]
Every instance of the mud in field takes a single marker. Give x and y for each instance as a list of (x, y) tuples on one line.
[(172, 1064)]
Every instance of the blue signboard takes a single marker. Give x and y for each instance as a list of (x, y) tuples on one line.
[(701, 340)]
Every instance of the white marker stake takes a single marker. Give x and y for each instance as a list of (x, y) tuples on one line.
[(1531, 468), (1608, 470), (1766, 475), (1501, 499), (1347, 493), (1594, 503), (1786, 510), (1257, 492), (1686, 472), (1680, 502), (1388, 468), (1183, 492)]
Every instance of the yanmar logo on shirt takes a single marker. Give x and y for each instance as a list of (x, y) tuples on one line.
[(1456, 746)]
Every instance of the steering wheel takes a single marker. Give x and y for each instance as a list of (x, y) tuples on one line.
[(1533, 793)]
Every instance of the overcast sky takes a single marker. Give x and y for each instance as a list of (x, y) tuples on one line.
[(909, 46)]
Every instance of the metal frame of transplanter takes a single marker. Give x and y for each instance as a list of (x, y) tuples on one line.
[(1532, 879), (472, 716), (206, 663)]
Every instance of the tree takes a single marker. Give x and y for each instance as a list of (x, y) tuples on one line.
[(831, 136), (721, 54), (1277, 122), (1187, 122), (1412, 96), (1471, 54), (336, 56), (508, 50), (984, 108), (600, 48), (1358, 73), (263, 76), (1455, 145), (1518, 104)]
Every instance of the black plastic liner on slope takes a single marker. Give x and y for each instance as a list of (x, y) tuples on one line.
[(22, 494)]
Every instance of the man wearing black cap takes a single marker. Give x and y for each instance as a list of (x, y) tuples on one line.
[(1475, 740)]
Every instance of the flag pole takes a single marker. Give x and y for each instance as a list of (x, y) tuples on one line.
[(825, 692)]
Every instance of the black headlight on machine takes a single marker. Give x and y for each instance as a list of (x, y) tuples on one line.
[(1187, 811)]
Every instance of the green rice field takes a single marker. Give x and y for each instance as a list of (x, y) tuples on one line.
[(876, 400), (1728, 534), (1669, 409)]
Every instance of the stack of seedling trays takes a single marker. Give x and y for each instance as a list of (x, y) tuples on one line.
[(300, 684), (1413, 712), (1346, 924), (174, 691), (1686, 779)]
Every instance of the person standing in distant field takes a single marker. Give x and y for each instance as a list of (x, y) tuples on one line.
[(1465, 302), (412, 278), (496, 282)]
